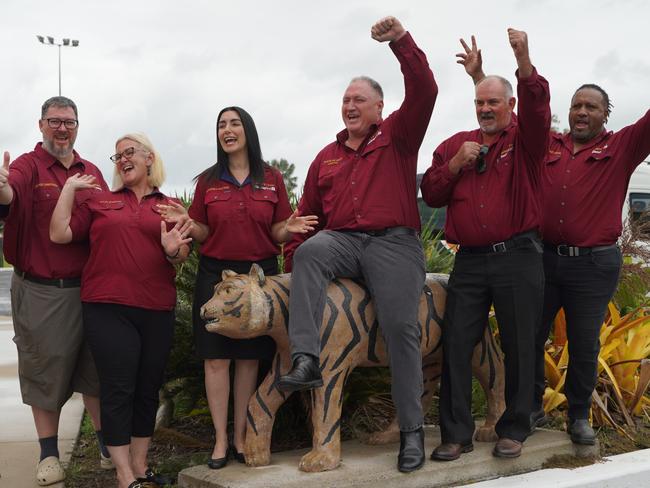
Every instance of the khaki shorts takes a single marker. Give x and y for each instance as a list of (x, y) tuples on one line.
[(53, 357)]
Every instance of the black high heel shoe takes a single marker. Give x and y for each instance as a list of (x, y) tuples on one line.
[(219, 462), (236, 455)]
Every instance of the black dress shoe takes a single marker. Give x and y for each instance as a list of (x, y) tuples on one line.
[(448, 451), (155, 478), (538, 419), (237, 456), (218, 463), (305, 375), (411, 450), (581, 432)]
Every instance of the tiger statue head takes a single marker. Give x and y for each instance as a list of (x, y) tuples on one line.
[(239, 308)]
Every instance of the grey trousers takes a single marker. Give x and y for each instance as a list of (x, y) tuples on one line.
[(393, 270)]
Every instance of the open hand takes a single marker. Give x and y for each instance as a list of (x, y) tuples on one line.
[(301, 225), (472, 60), (172, 240), (173, 212), (81, 182)]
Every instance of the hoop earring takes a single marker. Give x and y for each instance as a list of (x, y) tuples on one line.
[(148, 170)]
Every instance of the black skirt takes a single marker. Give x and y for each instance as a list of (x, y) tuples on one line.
[(216, 346)]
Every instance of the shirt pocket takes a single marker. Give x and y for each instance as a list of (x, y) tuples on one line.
[(45, 199), (262, 206), (218, 206)]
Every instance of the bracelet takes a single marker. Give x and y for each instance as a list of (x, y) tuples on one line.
[(175, 255)]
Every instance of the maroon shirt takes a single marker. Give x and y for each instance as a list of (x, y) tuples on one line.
[(374, 187), (36, 179), (127, 263), (504, 201), (583, 193), (240, 217)]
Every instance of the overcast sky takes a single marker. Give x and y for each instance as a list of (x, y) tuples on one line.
[(166, 68)]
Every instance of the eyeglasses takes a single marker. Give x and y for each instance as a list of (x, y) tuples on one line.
[(127, 153), (481, 163), (68, 123)]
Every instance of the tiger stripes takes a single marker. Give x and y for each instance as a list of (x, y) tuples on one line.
[(245, 306)]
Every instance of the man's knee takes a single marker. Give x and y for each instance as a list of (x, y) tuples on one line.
[(313, 251)]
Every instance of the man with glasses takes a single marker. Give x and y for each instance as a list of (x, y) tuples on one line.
[(489, 180), (53, 360)]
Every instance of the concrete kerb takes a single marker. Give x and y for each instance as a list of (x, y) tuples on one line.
[(372, 466)]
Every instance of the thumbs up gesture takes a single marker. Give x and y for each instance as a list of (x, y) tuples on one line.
[(4, 171), (6, 193)]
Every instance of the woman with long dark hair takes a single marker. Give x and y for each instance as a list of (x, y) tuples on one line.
[(239, 214)]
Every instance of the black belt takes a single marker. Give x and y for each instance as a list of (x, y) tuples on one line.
[(513, 243), (59, 283), (573, 251), (390, 231)]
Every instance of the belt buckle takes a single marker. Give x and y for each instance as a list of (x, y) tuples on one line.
[(566, 250), (499, 247)]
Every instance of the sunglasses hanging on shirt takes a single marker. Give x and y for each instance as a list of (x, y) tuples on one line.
[(481, 163)]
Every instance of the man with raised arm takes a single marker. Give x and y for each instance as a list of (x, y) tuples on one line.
[(362, 186), (584, 185), (53, 359), (489, 178)]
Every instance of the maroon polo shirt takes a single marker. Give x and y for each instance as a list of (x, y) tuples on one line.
[(374, 187), (127, 263), (504, 200), (583, 193), (240, 216), (36, 179)]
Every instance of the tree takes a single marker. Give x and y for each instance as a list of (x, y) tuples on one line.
[(287, 169)]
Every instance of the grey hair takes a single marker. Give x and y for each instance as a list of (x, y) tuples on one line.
[(373, 84), (59, 101), (506, 84)]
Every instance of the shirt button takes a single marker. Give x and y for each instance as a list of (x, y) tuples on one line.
[(353, 182), (564, 187), (562, 203), (354, 198), (561, 221), (484, 226), (568, 171), (482, 187), (481, 205), (358, 216)]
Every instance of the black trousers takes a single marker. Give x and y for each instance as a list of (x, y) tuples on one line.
[(514, 282), (130, 346), (583, 286)]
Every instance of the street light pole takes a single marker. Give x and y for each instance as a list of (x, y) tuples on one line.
[(50, 41)]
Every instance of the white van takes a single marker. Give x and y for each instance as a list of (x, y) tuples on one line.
[(638, 193)]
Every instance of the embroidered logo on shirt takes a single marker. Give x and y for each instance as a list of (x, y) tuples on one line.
[(265, 187), (46, 185), (332, 162), (598, 150), (506, 151), (555, 153), (218, 188)]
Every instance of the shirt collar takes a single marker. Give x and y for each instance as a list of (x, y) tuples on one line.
[(50, 160), (155, 192), (227, 176), (343, 136), (568, 141)]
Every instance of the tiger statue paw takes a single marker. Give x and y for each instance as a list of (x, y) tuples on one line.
[(317, 461)]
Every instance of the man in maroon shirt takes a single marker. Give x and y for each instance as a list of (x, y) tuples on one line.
[(53, 360), (489, 180), (363, 189), (584, 185)]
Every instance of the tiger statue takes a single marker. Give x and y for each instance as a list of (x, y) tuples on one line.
[(246, 306)]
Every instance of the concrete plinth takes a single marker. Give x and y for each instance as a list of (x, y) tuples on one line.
[(376, 466)]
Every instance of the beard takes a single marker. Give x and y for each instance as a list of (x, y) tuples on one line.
[(58, 151)]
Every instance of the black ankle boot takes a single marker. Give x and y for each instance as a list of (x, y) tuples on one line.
[(305, 375), (411, 450), (581, 432)]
